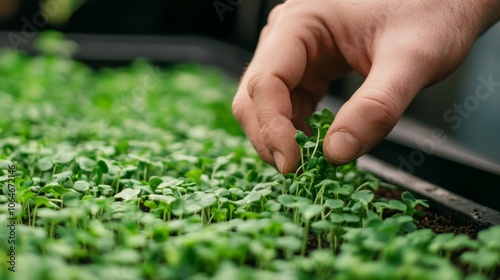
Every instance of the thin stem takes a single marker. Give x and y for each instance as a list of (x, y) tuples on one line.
[(51, 230), (145, 172), (317, 142), (34, 215), (302, 164), (320, 194), (362, 186), (304, 240)]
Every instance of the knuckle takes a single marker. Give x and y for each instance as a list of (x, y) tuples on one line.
[(254, 83), (422, 52), (383, 109), (270, 129), (417, 48), (264, 33), (237, 108), (275, 12)]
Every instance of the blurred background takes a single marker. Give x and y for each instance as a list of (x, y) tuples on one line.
[(465, 107), (235, 21)]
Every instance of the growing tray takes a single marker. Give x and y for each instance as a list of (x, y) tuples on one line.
[(104, 50), (462, 210)]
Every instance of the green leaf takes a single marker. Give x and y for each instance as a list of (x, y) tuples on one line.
[(47, 188), (45, 164), (150, 204), (178, 206), (310, 211), (334, 203), (397, 205), (439, 242), (312, 163), (222, 192), (350, 218), (272, 206), (71, 199), (127, 170), (363, 196), (337, 218), (143, 189), (346, 190), (287, 200), (237, 192), (103, 166), (167, 199), (490, 238), (459, 242), (207, 200), (289, 243), (63, 176), (333, 186), (300, 138), (194, 175), (309, 144), (81, 186), (154, 182), (128, 194), (220, 214), (482, 259), (85, 163), (123, 256), (408, 196), (322, 225), (42, 200), (320, 119), (191, 207), (50, 214), (65, 157), (251, 197), (476, 276)]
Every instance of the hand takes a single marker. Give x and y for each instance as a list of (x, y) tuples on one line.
[(399, 47)]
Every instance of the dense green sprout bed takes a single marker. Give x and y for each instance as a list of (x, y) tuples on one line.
[(142, 173)]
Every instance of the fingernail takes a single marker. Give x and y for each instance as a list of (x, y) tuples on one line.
[(343, 146), (279, 159)]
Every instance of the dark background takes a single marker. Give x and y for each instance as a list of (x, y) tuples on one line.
[(213, 18)]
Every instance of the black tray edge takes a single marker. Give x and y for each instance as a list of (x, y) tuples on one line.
[(462, 210), (158, 49)]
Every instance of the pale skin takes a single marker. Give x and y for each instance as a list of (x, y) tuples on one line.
[(399, 46)]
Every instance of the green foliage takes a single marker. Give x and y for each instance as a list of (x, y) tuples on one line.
[(142, 173)]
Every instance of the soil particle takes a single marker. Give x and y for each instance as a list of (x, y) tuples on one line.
[(430, 219)]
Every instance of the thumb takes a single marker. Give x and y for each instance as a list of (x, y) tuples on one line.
[(373, 110)]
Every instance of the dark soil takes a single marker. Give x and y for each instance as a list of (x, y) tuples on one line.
[(429, 219), (442, 224), (439, 224)]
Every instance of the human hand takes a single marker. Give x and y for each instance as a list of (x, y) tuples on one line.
[(400, 47)]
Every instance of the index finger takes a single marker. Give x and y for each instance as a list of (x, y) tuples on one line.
[(275, 70)]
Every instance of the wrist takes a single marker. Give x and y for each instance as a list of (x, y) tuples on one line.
[(489, 14)]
